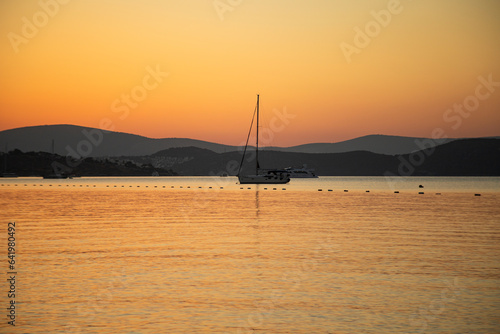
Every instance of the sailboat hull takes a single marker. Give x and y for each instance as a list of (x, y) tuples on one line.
[(264, 179)]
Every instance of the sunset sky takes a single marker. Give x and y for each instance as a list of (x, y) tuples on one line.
[(193, 68)]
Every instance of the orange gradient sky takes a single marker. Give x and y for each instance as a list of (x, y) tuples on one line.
[(73, 61)]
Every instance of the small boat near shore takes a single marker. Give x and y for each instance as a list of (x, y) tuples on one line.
[(303, 172), (9, 175)]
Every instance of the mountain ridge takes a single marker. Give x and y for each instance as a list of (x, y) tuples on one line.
[(81, 141), (464, 157)]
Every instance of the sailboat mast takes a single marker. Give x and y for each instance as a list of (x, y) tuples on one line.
[(257, 141)]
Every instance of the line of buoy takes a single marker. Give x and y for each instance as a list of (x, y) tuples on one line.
[(199, 187)]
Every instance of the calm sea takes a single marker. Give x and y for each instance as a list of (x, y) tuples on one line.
[(207, 255)]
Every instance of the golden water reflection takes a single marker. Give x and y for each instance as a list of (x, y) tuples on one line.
[(237, 261)]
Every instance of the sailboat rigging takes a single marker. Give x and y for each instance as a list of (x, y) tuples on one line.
[(268, 176)]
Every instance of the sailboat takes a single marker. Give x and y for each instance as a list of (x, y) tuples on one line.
[(261, 176)]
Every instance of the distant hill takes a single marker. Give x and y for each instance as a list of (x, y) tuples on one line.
[(466, 157), (39, 139), (381, 144), (113, 144)]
